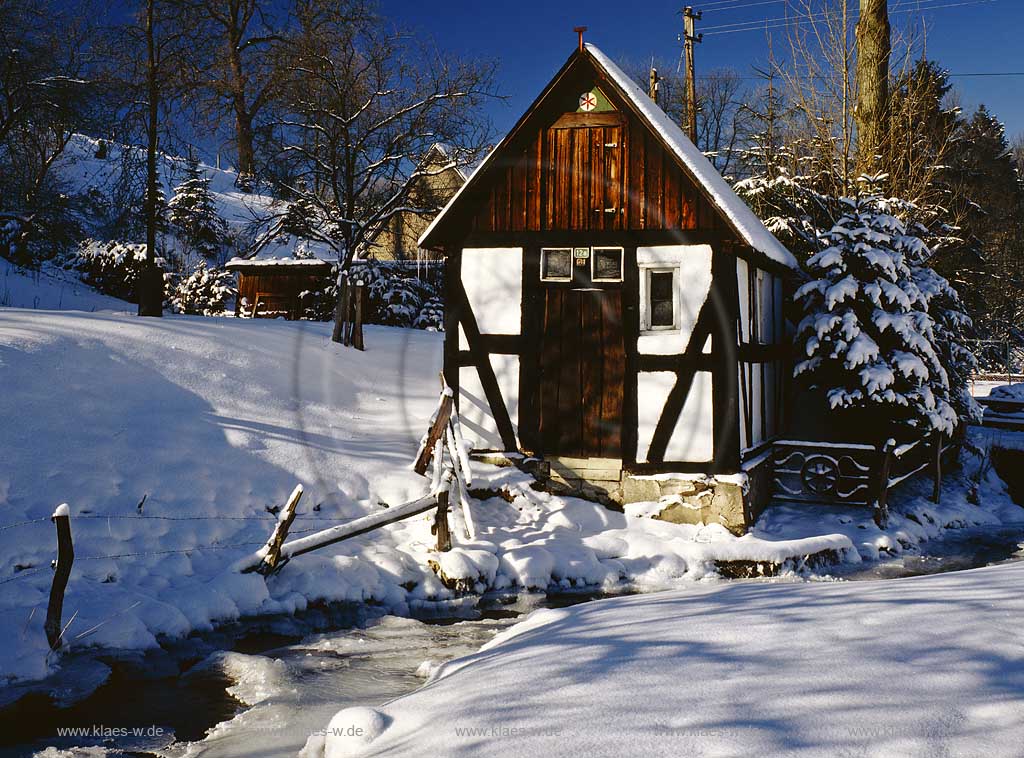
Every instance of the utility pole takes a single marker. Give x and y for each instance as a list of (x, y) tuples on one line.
[(652, 85), (689, 38)]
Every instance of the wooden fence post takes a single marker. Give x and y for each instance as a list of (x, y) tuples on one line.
[(65, 557), (937, 489), (346, 309), (444, 534), (340, 316), (882, 503), (273, 547), (357, 331)]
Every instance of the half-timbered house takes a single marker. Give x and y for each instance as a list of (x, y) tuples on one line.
[(611, 304)]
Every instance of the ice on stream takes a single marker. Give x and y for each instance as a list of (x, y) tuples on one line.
[(295, 690)]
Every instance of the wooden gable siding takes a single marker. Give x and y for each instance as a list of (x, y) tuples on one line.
[(590, 178)]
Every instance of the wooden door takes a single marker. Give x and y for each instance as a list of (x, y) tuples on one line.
[(582, 358)]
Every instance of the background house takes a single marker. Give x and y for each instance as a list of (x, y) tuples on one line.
[(399, 240)]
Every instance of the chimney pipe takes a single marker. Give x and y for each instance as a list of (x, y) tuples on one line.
[(579, 30)]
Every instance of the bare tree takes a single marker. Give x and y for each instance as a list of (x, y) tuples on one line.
[(47, 93), (231, 64), (364, 104), (144, 68), (722, 123)]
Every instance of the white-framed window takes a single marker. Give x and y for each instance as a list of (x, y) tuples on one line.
[(606, 264), (659, 299), (556, 264)]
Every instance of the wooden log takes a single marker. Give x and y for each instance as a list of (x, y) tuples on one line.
[(444, 413), (937, 488), (882, 501), (65, 558), (444, 534), (357, 330), (272, 559)]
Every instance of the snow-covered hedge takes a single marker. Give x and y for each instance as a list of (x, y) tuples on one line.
[(204, 292), (398, 296), (111, 267)]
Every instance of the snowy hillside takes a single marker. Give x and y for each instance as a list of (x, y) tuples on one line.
[(82, 173)]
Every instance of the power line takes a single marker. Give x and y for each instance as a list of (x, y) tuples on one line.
[(907, 6)]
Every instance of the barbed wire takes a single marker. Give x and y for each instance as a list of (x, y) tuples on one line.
[(23, 574), (24, 523)]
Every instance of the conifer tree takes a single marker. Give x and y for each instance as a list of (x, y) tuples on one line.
[(867, 339), (193, 214)]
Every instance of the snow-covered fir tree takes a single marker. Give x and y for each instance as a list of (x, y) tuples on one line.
[(867, 339), (204, 292), (193, 214)]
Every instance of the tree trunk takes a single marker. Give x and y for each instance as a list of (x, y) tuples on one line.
[(150, 284), (874, 48), (243, 119)]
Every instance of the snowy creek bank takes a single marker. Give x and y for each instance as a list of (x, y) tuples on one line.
[(275, 681)]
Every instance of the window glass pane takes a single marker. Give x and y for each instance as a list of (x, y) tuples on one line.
[(660, 293), (556, 264), (608, 264)]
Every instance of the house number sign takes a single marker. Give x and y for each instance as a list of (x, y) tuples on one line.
[(581, 255)]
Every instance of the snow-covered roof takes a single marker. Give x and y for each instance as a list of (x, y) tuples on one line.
[(237, 263), (747, 224), (744, 221)]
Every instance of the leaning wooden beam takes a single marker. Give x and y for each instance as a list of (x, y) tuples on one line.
[(342, 532), (436, 430), (65, 557), (272, 550)]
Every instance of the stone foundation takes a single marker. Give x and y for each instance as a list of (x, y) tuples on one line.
[(686, 499), (690, 501)]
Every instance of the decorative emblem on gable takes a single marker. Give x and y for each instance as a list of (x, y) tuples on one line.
[(594, 101)]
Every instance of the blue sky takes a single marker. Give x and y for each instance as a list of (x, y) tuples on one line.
[(532, 38)]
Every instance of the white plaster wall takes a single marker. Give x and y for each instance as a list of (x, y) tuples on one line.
[(743, 287), (693, 264), (741, 373), (478, 425), (652, 392), (493, 280), (693, 436), (755, 404), (766, 286)]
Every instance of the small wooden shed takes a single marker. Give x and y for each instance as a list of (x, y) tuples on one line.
[(611, 304), (272, 287)]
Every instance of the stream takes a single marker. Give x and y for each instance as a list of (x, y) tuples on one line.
[(261, 688)]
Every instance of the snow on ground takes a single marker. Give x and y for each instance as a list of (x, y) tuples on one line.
[(53, 289), (1009, 392), (926, 666), (171, 438)]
